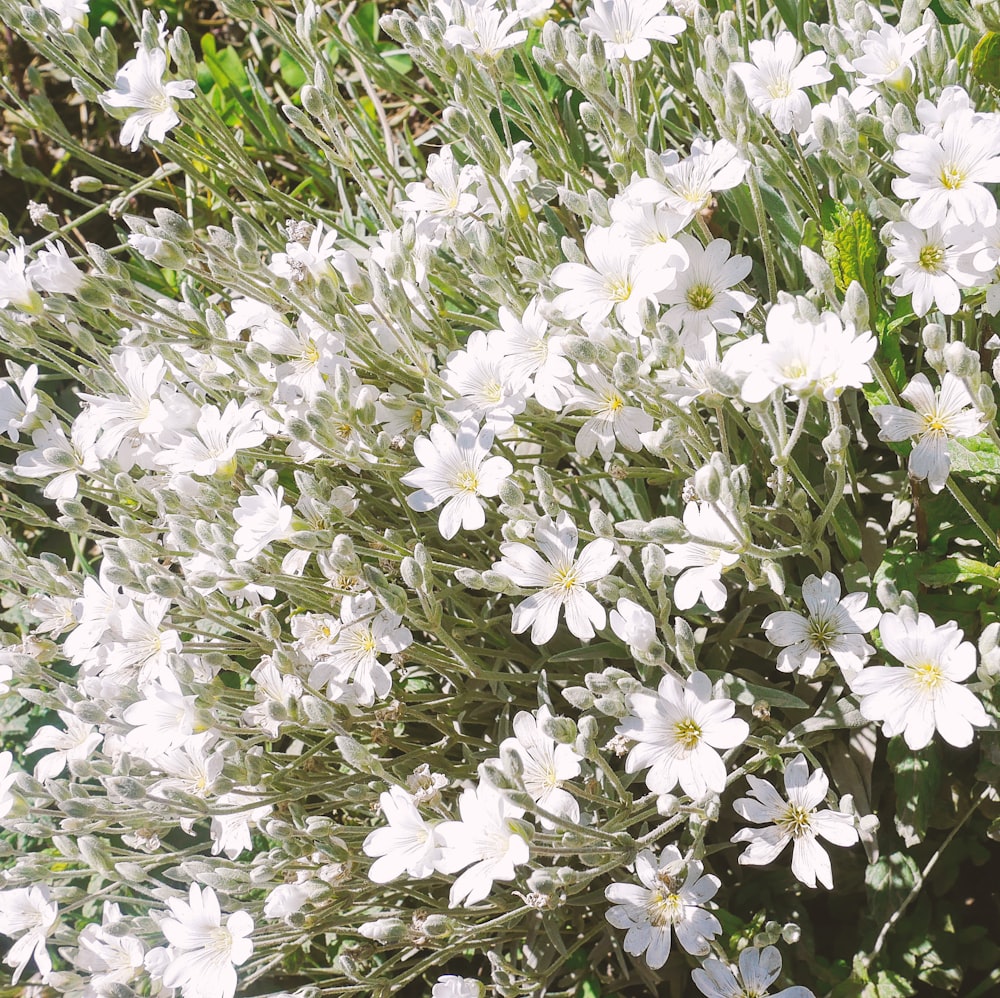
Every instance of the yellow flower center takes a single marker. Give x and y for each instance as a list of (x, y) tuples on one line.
[(614, 402), (700, 297), (928, 676), (493, 392), (467, 481), (931, 258), (565, 578), (952, 177), (619, 288), (311, 353), (688, 733), (795, 820)]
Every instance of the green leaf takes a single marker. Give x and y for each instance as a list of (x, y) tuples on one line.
[(849, 247), (916, 778), (847, 530), (986, 60), (975, 458), (889, 880), (891, 985), (948, 571), (791, 12), (587, 653), (292, 74), (748, 694)]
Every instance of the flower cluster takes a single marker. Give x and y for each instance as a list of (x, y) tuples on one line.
[(450, 577)]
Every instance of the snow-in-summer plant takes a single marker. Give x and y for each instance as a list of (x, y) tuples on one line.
[(500, 498)]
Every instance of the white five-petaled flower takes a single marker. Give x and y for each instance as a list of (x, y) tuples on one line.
[(887, 55), (678, 731), (562, 578), (798, 820), (28, 916), (627, 26), (490, 837), (758, 970), (620, 279), (775, 77), (805, 357), (139, 84), (702, 300), (946, 172), (671, 898), (409, 844), (927, 264), (364, 633), (699, 566), (204, 953), (611, 421), (457, 471), (833, 626), (924, 695), (937, 418), (545, 765)]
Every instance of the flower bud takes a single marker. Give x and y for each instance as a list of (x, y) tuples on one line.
[(707, 484), (654, 565), (934, 336)]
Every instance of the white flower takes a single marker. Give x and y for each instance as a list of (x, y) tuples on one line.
[(775, 78), (27, 916), (796, 820), (702, 300), (634, 624), (451, 986), (699, 566), (7, 779), (671, 897), (21, 408), (164, 719), (486, 387), (611, 421), (530, 357), (139, 84), (489, 837), (212, 448), (619, 279), (262, 519), (545, 765), (15, 280), (758, 970), (111, 956), (924, 695), (946, 172), (677, 731), (561, 577), (52, 270), (627, 26), (888, 55), (833, 626), (364, 633), (689, 183), (70, 12), (230, 830), (806, 358), (448, 194), (204, 953), (74, 744), (485, 31), (457, 471), (926, 264), (938, 417), (409, 845)]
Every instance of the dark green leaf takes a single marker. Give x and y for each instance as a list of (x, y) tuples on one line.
[(916, 778)]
